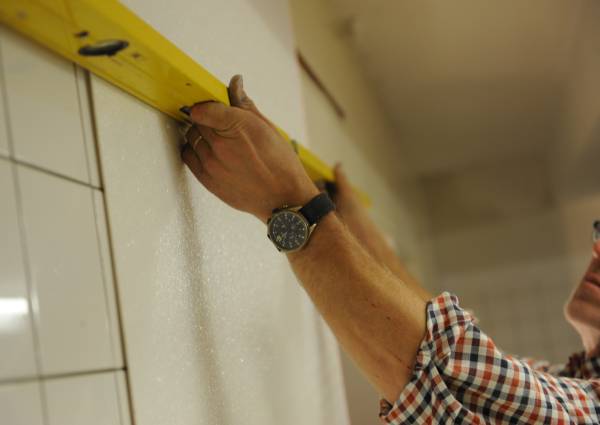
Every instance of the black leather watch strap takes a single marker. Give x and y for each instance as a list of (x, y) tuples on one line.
[(317, 208)]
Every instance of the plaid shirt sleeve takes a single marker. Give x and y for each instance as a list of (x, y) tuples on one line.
[(579, 366), (460, 377)]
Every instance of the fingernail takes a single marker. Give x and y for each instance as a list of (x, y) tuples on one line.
[(243, 95)]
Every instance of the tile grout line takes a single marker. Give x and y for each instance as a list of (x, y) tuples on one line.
[(109, 233), (52, 376), (43, 170)]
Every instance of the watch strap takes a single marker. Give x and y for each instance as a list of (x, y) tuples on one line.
[(317, 208)]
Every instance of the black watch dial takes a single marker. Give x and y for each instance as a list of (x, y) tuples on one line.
[(288, 230)]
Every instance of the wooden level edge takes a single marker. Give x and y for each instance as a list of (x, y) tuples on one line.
[(148, 66)]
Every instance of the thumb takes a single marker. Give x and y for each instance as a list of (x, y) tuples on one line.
[(239, 99), (238, 96)]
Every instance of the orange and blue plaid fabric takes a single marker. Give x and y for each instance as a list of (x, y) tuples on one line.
[(461, 377)]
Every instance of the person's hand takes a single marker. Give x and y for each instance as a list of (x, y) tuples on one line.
[(239, 156)]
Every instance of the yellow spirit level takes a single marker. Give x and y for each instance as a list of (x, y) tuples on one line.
[(106, 38)]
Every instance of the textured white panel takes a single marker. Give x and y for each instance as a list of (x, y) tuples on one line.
[(88, 399), (67, 275), (16, 341), (248, 37), (20, 404), (43, 105), (216, 327)]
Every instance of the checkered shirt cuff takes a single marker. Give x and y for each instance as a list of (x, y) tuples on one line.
[(460, 377)]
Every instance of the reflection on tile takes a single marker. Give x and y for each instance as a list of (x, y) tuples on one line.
[(20, 404), (88, 399), (66, 273), (16, 341), (43, 106)]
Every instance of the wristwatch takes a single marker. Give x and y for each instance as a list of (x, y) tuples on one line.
[(289, 228)]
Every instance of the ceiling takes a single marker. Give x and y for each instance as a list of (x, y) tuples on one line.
[(465, 82), (477, 92)]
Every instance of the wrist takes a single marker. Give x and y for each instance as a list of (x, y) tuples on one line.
[(328, 227), (295, 198)]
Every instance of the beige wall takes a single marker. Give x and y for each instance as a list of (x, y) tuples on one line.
[(510, 238), (527, 241), (363, 142)]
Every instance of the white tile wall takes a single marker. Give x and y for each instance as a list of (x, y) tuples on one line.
[(43, 107), (67, 274), (21, 404), (17, 358), (88, 399), (58, 312), (4, 147)]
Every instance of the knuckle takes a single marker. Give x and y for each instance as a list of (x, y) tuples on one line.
[(210, 165), (223, 148), (219, 147), (236, 123)]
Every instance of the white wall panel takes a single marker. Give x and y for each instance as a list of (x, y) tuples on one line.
[(21, 404), (17, 356), (88, 399), (43, 105), (249, 37), (66, 270), (216, 328)]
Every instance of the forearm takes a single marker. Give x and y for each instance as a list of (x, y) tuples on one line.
[(378, 319), (365, 231)]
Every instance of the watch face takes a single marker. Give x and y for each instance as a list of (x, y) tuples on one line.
[(288, 230)]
